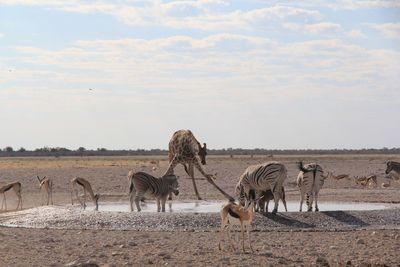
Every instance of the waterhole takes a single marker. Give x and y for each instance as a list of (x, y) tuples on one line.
[(215, 206)]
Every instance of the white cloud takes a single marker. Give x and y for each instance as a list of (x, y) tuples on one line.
[(1, 35), (315, 28), (390, 30), (356, 4), (355, 34), (182, 14)]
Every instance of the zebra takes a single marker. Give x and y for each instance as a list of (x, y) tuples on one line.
[(393, 166), (310, 180), (141, 184), (262, 177), (264, 197)]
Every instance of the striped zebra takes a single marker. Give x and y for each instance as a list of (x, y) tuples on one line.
[(310, 180), (393, 166), (141, 184), (262, 177)]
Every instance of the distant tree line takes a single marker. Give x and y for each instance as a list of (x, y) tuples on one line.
[(81, 151)]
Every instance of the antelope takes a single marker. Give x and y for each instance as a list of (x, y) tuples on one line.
[(46, 185), (236, 214), (17, 189), (364, 181), (86, 187)]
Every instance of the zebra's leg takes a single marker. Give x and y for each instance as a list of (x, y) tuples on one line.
[(84, 198), (310, 199), (138, 197), (301, 200), (316, 201), (277, 196), (284, 203), (266, 205), (163, 200), (2, 202), (158, 205), (132, 195), (19, 201), (51, 194)]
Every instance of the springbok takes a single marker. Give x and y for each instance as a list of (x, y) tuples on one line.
[(46, 185), (17, 189), (236, 214), (364, 181), (86, 187)]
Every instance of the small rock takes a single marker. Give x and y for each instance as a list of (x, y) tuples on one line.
[(321, 261), (79, 263), (333, 247), (360, 241), (396, 237), (348, 263), (121, 246), (373, 233), (267, 253), (114, 253), (132, 244)]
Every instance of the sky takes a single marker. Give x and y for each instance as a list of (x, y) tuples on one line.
[(126, 74)]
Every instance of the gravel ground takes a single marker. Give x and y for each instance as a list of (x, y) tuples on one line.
[(60, 217)]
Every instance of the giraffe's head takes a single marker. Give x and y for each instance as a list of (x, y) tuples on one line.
[(203, 153)]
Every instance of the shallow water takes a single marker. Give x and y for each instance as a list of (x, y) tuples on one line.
[(215, 206)]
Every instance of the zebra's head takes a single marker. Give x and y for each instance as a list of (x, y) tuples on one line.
[(173, 185), (389, 167), (246, 197), (202, 153)]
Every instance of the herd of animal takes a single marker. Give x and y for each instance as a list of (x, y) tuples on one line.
[(256, 186)]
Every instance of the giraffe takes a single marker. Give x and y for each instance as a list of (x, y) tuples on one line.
[(183, 149)]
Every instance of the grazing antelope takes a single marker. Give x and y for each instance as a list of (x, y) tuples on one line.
[(364, 181), (86, 187), (310, 181), (262, 177), (236, 214), (46, 185), (17, 189)]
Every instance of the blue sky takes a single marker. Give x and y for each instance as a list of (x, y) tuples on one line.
[(250, 74)]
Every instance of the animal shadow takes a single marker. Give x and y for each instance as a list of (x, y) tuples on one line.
[(287, 221), (345, 218)]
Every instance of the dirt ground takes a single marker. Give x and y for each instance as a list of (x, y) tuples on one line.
[(363, 246)]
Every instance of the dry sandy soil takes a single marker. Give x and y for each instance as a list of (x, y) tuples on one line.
[(67, 235)]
